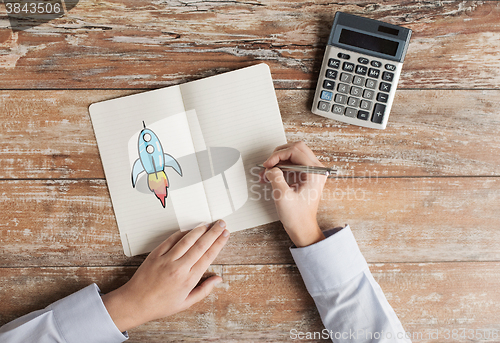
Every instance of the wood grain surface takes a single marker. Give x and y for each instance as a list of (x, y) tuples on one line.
[(263, 303), (421, 197), (144, 44)]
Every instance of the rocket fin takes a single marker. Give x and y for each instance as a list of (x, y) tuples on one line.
[(172, 162), (136, 170)]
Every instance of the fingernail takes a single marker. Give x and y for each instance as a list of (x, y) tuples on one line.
[(222, 223), (225, 233)]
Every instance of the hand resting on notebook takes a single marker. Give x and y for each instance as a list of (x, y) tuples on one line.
[(166, 281)]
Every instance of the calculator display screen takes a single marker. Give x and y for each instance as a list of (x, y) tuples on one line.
[(368, 42)]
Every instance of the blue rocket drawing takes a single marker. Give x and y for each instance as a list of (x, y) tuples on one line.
[(153, 161)]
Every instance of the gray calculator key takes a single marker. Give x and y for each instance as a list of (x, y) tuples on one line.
[(385, 87), (358, 80), (363, 115), (368, 94), (374, 73), (328, 84), (356, 91), (340, 98), (323, 106), (343, 88), (386, 76), (345, 77), (354, 102), (351, 112), (333, 63), (347, 66), (337, 109), (382, 97), (378, 113), (331, 74), (390, 67), (372, 84), (365, 104)]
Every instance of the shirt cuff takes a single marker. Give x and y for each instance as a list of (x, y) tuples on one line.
[(331, 262), (82, 316)]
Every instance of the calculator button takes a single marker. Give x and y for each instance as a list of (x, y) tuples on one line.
[(323, 106), (363, 115), (365, 104), (390, 67), (385, 87), (368, 94), (326, 95), (328, 84), (386, 76), (354, 102), (376, 64), (361, 70), (382, 97), (358, 80), (337, 109), (351, 112), (331, 74), (343, 88), (371, 84), (333, 63), (373, 73), (378, 113), (344, 56), (348, 66), (340, 99), (363, 60), (356, 91), (345, 77)]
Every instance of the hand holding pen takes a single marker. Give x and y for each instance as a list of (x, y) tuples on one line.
[(297, 201)]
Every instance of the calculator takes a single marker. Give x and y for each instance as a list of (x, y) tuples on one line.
[(360, 71)]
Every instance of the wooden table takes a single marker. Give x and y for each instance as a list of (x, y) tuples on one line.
[(422, 196)]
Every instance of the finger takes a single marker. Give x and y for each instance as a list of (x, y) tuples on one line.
[(293, 153), (201, 265), (205, 242), (202, 291), (278, 182), (186, 242), (167, 244), (282, 147), (306, 150)]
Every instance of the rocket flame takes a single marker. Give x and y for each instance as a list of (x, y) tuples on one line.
[(158, 184)]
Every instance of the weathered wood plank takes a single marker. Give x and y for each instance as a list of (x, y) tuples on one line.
[(71, 223), (263, 303), (48, 134), (109, 44)]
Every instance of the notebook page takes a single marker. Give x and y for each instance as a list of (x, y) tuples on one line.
[(239, 110), (142, 220)]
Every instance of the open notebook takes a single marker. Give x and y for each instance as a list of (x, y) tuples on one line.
[(178, 156)]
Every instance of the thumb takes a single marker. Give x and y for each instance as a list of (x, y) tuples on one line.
[(277, 179), (202, 291)]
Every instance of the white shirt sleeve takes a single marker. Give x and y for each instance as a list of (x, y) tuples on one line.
[(79, 318), (351, 304)]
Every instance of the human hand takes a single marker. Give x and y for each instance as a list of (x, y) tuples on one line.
[(166, 281), (296, 201)]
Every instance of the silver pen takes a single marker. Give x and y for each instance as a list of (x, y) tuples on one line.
[(328, 172)]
